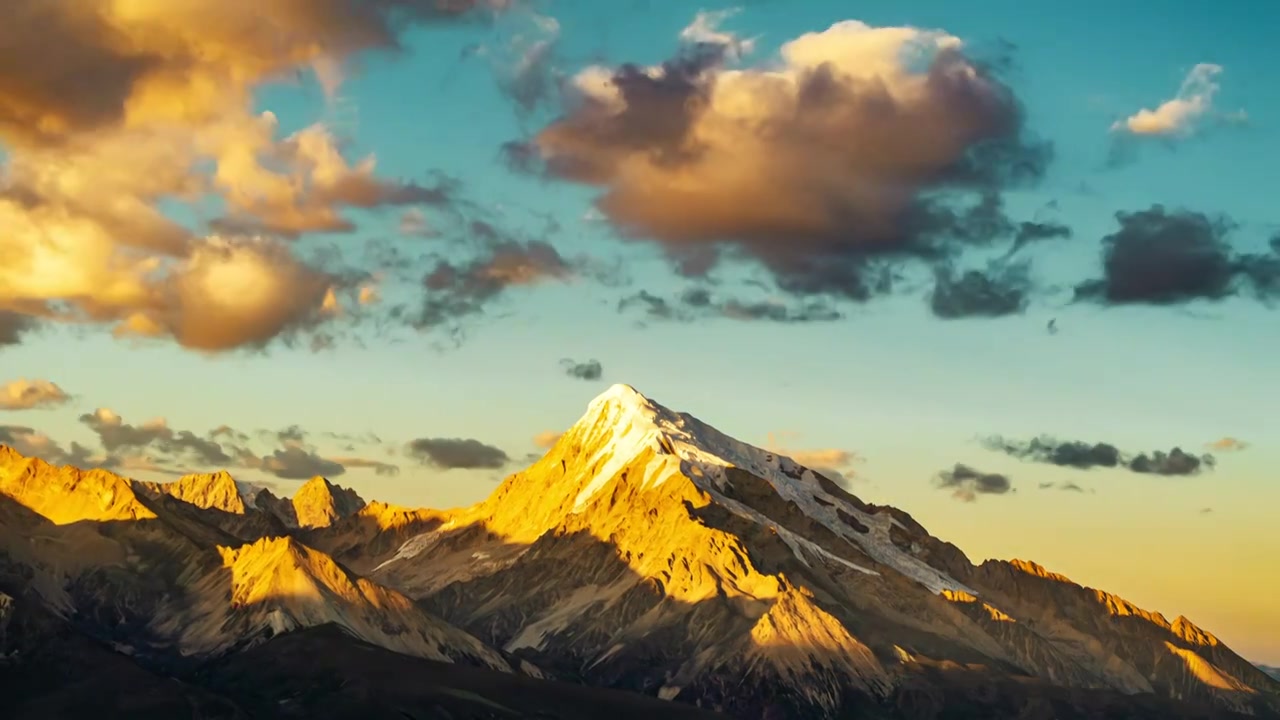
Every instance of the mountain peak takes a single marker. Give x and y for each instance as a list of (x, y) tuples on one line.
[(67, 494), (211, 491), (627, 448), (319, 503)]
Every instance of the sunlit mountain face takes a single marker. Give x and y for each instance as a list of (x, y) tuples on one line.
[(646, 554)]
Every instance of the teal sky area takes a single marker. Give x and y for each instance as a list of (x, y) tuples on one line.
[(909, 393)]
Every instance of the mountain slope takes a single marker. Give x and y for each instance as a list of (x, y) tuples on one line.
[(148, 574), (646, 550)]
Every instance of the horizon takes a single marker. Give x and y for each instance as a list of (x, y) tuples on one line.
[(406, 261)]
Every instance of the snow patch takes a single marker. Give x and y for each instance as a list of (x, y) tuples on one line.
[(419, 544)]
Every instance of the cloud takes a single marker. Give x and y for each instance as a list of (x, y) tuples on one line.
[(457, 454), (13, 326), (967, 483), (23, 394), (588, 370), (1065, 487), (705, 30), (1181, 115), (524, 60), (113, 113), (547, 438), (699, 302), (996, 292), (859, 146), (380, 468), (296, 463), (32, 443), (1086, 456), (459, 290), (156, 438), (835, 463), (1160, 257), (1174, 462), (1227, 444)]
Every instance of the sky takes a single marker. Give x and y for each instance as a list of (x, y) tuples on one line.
[(1008, 266)]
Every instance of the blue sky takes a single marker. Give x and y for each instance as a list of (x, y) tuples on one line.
[(909, 393)]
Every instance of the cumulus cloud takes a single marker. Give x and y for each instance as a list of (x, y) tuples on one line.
[(23, 394), (967, 483), (1162, 257), (1086, 456), (1181, 115), (457, 454), (858, 144), (547, 438), (111, 112), (587, 370)]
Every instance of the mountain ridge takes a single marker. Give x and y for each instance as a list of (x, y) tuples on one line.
[(709, 530), (644, 551)]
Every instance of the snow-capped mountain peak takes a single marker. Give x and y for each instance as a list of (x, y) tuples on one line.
[(621, 423)]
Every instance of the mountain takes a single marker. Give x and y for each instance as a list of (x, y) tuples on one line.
[(650, 552), (646, 554), (317, 504), (1272, 671), (143, 571)]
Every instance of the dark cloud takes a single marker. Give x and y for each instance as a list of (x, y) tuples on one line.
[(13, 326), (699, 303), (458, 290), (589, 370), (175, 446), (296, 463), (1085, 456), (457, 454), (1029, 232), (1174, 462), (379, 467), (996, 292), (32, 443), (1162, 257), (291, 435), (968, 483), (834, 173)]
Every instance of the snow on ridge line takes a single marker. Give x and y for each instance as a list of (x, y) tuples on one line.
[(621, 422)]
